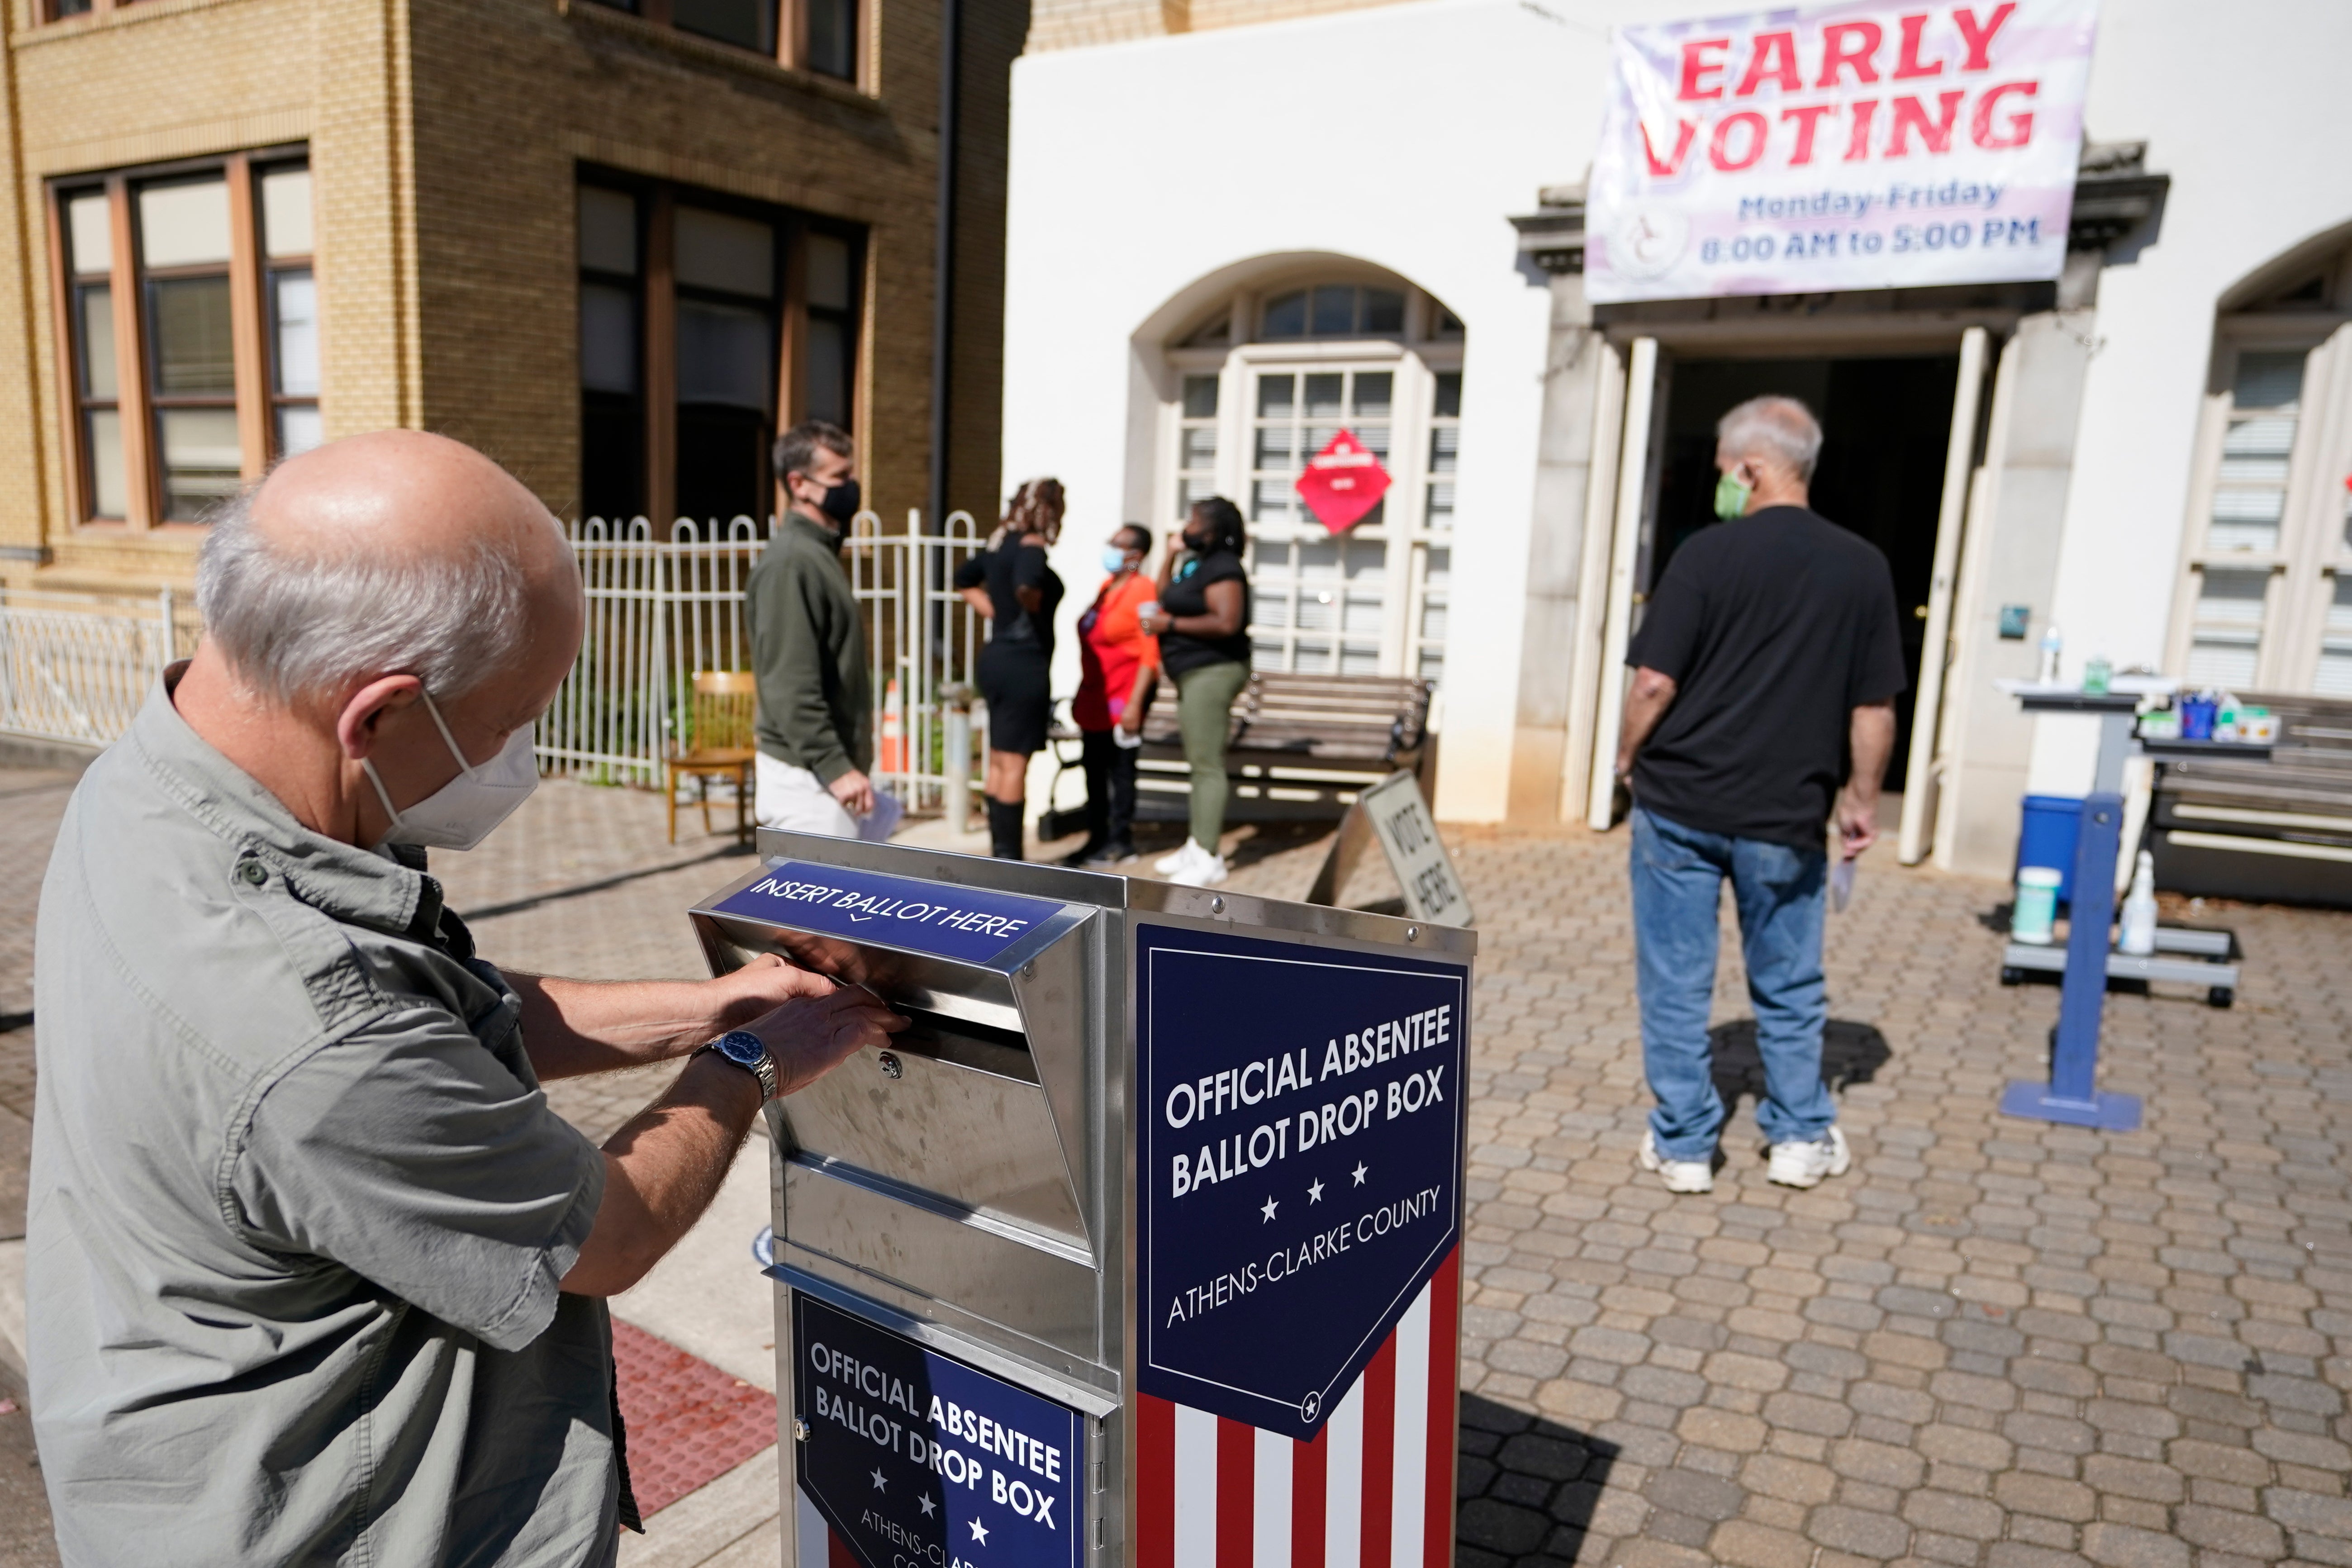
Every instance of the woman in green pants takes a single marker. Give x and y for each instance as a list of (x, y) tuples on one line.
[(1202, 623)]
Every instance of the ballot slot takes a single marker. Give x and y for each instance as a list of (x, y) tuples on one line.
[(952, 1119), (921, 982)]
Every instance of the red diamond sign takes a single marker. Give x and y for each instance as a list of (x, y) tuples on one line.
[(1342, 483)]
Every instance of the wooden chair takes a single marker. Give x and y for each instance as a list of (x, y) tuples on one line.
[(719, 721)]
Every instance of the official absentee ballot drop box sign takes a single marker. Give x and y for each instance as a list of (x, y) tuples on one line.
[(1142, 1244)]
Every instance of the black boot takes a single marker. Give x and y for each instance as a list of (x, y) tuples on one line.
[(1004, 828)]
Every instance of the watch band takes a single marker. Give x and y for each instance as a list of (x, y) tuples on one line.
[(747, 1051)]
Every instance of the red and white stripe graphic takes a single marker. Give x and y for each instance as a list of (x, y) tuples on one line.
[(1374, 1489)]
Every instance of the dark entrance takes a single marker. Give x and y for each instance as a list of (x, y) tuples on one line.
[(1886, 422)]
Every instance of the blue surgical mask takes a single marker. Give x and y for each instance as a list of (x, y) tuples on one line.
[(1114, 559)]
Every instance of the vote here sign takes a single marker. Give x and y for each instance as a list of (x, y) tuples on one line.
[(1841, 146), (917, 1460), (1300, 1117)]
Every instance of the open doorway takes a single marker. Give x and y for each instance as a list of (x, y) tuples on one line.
[(1887, 421)]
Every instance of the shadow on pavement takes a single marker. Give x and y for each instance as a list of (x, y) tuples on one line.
[(1851, 1053), (26, 1538), (1527, 1486)]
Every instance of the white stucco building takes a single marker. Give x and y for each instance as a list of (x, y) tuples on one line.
[(1229, 236)]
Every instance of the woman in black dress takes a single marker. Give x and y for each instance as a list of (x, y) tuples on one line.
[(1016, 593)]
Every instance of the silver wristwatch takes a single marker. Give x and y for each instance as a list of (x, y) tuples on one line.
[(749, 1052)]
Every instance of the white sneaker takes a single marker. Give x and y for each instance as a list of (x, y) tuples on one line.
[(1680, 1175), (1804, 1164), (1206, 870), (1169, 865)]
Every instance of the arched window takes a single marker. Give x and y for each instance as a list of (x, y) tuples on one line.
[(1261, 385), (2265, 597)]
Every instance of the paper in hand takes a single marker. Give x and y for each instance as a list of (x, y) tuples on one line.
[(877, 825), (1841, 885)]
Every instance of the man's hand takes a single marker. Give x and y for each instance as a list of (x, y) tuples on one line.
[(760, 986), (854, 791), (1857, 823), (811, 1035), (1869, 743)]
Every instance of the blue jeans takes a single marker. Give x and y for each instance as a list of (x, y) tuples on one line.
[(1678, 876)]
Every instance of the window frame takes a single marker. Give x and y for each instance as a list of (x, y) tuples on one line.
[(1416, 356), (139, 401), (2311, 550), (788, 19), (656, 293)]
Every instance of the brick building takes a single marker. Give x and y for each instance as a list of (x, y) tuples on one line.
[(614, 245)]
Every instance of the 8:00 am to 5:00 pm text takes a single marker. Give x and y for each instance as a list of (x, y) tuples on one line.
[(1827, 244)]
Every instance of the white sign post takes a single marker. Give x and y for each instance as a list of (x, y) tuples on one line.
[(1857, 146), (1393, 811)]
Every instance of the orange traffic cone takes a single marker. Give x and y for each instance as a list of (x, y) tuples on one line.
[(894, 731)]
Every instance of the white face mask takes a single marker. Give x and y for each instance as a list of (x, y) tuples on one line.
[(461, 813)]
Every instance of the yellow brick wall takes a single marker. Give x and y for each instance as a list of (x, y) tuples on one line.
[(444, 138), (1073, 24)]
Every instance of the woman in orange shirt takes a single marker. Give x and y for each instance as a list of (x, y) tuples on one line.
[(1120, 663)]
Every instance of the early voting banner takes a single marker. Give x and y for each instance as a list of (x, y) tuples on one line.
[(1298, 1168), (1841, 146)]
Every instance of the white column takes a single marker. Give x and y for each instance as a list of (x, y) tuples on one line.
[(1640, 389), (1920, 780)]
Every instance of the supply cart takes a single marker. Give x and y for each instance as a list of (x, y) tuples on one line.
[(2072, 1095)]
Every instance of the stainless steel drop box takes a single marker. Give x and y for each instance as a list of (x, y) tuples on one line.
[(1147, 1157)]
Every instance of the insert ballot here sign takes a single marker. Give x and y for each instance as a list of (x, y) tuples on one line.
[(1299, 1164), (917, 1460)]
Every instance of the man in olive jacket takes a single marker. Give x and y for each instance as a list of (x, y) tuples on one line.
[(815, 729)]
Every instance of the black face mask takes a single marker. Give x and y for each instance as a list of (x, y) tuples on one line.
[(841, 502), (1199, 544)]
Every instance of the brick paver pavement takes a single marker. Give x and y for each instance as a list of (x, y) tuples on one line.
[(1995, 1342)]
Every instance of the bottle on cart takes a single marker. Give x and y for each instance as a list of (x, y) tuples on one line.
[(2137, 935), (2053, 645)]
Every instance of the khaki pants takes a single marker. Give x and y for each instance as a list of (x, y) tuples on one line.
[(792, 799)]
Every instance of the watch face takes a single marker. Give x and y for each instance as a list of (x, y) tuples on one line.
[(743, 1046)]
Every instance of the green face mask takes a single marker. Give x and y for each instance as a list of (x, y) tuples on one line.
[(1731, 496)]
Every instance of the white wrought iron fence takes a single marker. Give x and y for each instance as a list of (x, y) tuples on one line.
[(662, 610), (76, 667)]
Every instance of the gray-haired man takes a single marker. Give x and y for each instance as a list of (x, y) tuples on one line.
[(1765, 677), (315, 1274)]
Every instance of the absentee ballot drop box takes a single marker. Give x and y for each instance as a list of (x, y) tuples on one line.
[(1141, 1246)]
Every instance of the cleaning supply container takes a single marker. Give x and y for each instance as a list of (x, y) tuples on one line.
[(2035, 917)]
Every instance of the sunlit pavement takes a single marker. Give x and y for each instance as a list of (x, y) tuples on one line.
[(1994, 1343)]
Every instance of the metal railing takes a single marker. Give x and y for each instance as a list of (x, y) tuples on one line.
[(660, 611), (76, 667)]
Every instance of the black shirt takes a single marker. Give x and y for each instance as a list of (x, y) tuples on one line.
[(1013, 565), (1774, 627), (1189, 595)]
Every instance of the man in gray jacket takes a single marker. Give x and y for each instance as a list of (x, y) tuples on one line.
[(815, 724), (314, 1274)]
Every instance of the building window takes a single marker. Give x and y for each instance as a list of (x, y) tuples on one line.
[(293, 292), (190, 333), (832, 44), (1246, 419), (818, 35), (701, 321), (2262, 604)]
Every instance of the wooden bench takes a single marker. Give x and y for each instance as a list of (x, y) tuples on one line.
[(1299, 748), (2276, 830)]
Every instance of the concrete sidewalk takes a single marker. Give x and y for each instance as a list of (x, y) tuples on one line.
[(1994, 1344), (709, 1298)]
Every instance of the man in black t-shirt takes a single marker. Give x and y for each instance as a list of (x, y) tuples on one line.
[(1765, 675)]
